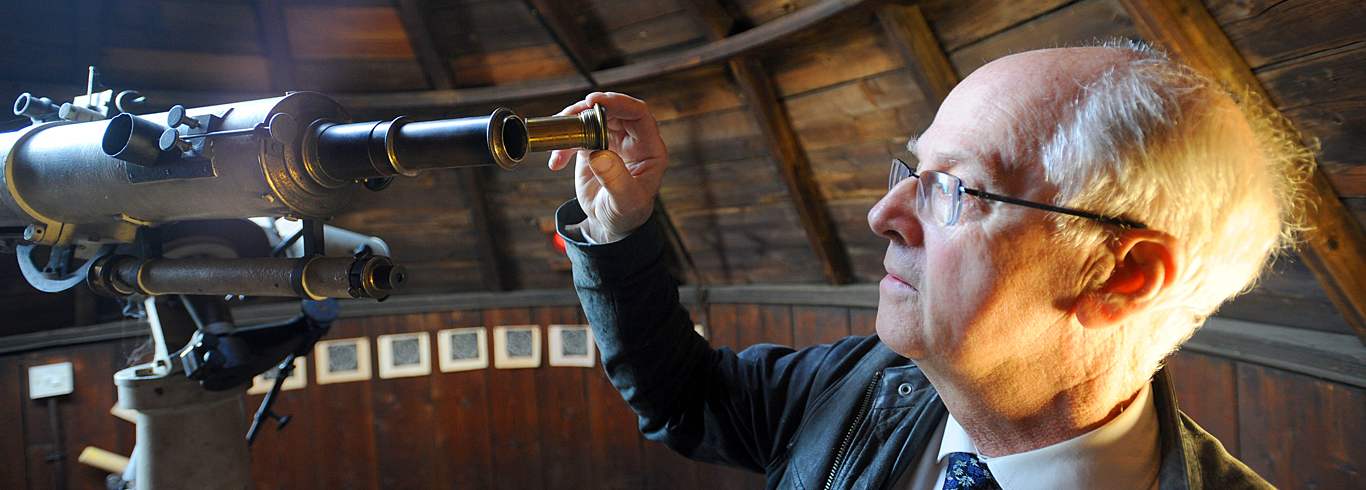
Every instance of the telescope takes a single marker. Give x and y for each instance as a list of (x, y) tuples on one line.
[(100, 182), (177, 211)]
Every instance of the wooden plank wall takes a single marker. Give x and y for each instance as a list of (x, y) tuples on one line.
[(558, 427)]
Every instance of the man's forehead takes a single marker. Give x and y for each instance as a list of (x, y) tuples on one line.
[(947, 157), (996, 119)]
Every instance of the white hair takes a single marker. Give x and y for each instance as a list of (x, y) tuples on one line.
[(1151, 140)]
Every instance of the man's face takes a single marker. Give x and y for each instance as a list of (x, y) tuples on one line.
[(994, 290)]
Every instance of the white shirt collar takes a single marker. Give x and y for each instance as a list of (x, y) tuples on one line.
[(1122, 454)]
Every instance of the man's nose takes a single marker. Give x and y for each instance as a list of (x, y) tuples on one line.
[(895, 216)]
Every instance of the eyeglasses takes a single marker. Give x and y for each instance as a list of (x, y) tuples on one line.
[(940, 197)]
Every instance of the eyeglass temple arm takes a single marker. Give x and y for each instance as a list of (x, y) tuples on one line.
[(1048, 207)]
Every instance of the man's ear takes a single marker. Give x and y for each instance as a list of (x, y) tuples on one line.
[(1145, 264)]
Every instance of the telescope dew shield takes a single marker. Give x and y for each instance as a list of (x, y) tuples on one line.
[(133, 139)]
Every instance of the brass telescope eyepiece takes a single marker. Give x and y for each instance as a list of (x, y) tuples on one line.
[(587, 130)]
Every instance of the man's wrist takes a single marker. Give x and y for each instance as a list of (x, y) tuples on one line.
[(596, 234)]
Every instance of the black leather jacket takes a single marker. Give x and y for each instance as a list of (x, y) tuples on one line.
[(852, 414)]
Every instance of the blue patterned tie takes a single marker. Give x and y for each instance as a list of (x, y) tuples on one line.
[(966, 472)]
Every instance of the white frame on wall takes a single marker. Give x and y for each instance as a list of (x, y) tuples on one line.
[(443, 350), (323, 375), (502, 360), (556, 342), (385, 345)]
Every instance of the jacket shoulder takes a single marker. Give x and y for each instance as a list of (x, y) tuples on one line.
[(1216, 467)]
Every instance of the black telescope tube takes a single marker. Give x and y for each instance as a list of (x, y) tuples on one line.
[(339, 153)]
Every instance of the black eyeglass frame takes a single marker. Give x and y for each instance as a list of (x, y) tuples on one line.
[(893, 180)]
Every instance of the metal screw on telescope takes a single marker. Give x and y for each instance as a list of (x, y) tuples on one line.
[(170, 140), (176, 116)]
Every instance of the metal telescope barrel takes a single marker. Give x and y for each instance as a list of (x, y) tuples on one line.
[(336, 154)]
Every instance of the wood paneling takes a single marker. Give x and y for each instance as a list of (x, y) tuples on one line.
[(414, 17), (557, 18), (149, 68), (462, 432), (345, 419), (723, 330), (279, 457), (275, 44), (555, 427), (1299, 432), (514, 424), (540, 62), (83, 415), (355, 32), (1334, 74), (921, 53), (787, 154), (854, 53), (334, 75), (615, 455), (13, 457), (1288, 294), (957, 23), (661, 34), (1080, 22), (404, 415), (1259, 28), (863, 321), (813, 325), (562, 396), (209, 27)]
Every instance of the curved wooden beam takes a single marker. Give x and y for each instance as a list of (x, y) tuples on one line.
[(715, 52), (432, 99), (724, 49)]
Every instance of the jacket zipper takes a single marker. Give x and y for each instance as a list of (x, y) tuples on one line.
[(849, 436)]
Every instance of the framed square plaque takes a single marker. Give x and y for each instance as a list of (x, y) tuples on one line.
[(572, 345), (342, 360), (516, 347), (404, 354), (462, 349)]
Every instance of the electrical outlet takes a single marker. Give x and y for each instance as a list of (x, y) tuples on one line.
[(50, 380)]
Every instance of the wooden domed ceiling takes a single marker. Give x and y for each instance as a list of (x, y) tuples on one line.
[(780, 115)]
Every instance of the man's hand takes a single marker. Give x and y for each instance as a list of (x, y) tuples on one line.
[(616, 187)]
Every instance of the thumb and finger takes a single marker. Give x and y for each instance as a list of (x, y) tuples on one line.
[(628, 202)]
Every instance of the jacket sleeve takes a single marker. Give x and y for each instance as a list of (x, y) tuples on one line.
[(712, 405)]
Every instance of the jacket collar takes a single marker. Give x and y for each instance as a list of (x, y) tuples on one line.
[(1180, 469)]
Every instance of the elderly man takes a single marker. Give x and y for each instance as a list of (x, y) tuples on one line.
[(1073, 217)]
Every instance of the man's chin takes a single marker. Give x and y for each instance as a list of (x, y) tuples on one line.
[(899, 335)]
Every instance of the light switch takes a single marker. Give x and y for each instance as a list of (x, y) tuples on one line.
[(50, 380)]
